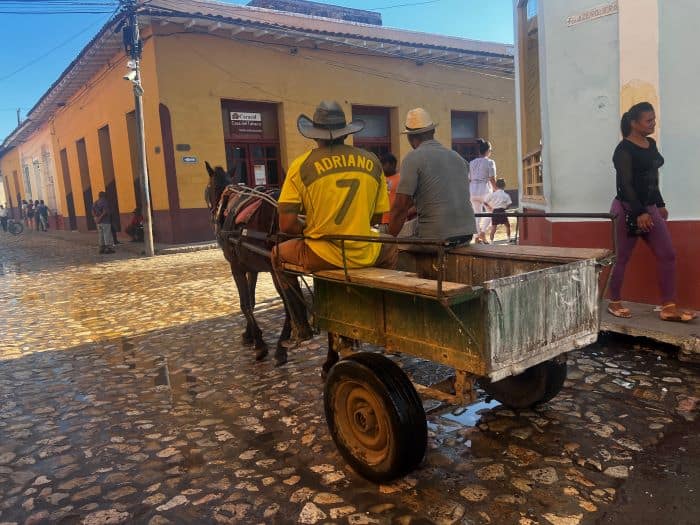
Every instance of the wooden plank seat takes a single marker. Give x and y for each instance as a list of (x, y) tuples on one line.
[(521, 252), (395, 280)]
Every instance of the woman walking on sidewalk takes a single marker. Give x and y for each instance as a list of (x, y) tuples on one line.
[(641, 211)]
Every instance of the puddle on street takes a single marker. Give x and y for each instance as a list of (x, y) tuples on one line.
[(469, 416)]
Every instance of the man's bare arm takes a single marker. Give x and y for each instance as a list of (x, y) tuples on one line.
[(399, 212), (290, 224)]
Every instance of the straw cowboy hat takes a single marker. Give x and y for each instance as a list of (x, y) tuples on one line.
[(328, 123), (418, 120)]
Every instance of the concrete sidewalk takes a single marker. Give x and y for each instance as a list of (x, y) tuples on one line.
[(645, 322), (136, 248)]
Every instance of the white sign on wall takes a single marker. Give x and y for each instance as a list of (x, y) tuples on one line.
[(592, 13), (245, 122)]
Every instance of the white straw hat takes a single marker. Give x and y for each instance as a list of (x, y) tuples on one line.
[(418, 120)]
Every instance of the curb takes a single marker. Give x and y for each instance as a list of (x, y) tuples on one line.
[(187, 248)]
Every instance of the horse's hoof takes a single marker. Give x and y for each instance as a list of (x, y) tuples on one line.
[(261, 353), (280, 357), (305, 334)]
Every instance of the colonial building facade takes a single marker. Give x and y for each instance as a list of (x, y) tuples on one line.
[(580, 65), (226, 83)]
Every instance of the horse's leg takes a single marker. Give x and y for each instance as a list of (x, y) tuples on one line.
[(286, 334), (331, 358), (248, 336), (298, 311), (239, 277), (252, 278)]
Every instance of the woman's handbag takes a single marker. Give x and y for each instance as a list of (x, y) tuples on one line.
[(631, 222)]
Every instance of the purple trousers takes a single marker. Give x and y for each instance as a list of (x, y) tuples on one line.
[(658, 239)]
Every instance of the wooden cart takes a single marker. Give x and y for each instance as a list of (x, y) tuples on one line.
[(501, 316)]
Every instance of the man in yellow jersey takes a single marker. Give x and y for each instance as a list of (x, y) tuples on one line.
[(341, 190)]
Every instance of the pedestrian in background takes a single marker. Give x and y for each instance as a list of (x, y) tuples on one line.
[(135, 227), (37, 217), (103, 219), (114, 230), (43, 216), (482, 181), (4, 214), (23, 212), (29, 221), (496, 203)]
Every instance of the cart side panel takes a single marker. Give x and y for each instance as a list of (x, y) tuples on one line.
[(349, 310), (418, 326), (572, 301), (536, 316), (424, 328)]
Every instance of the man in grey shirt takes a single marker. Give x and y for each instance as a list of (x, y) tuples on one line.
[(436, 180)]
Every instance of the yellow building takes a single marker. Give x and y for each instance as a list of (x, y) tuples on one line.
[(226, 83)]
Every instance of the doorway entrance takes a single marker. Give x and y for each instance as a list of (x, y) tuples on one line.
[(251, 139), (256, 164)]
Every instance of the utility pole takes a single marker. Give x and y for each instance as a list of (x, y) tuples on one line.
[(19, 120), (133, 46)]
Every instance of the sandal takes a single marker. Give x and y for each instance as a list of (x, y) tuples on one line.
[(616, 309), (669, 312)]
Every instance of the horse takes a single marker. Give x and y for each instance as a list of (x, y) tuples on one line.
[(246, 247)]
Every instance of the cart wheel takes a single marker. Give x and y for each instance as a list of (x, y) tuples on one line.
[(375, 416), (534, 386)]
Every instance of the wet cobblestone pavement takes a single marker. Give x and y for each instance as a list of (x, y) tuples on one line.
[(126, 397)]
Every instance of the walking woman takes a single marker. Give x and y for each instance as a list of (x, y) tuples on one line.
[(641, 211), (482, 181)]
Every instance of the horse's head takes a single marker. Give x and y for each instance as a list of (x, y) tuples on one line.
[(218, 180)]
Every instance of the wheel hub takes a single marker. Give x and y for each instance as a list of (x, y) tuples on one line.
[(362, 422), (365, 419)]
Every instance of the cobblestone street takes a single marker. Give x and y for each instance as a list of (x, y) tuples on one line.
[(127, 397)]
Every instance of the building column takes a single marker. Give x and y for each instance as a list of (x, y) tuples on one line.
[(639, 54)]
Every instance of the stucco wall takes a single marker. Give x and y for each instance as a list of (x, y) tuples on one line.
[(679, 74), (37, 152), (106, 100), (9, 163), (580, 106), (197, 71)]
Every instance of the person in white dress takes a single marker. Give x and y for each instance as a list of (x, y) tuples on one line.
[(482, 181)]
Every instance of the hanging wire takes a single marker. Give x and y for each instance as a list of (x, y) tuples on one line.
[(51, 50)]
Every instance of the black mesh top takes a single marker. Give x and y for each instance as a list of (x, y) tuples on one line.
[(637, 171)]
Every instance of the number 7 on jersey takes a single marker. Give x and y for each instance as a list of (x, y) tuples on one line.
[(352, 185)]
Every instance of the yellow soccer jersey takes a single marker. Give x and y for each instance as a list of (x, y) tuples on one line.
[(339, 188)]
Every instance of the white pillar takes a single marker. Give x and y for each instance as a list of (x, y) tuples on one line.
[(639, 54)]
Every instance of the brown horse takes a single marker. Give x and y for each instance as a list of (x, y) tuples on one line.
[(246, 240)]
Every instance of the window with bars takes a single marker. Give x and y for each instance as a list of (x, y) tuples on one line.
[(376, 135), (465, 131), (532, 176)]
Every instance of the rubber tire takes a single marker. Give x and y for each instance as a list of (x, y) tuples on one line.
[(15, 228), (534, 386), (401, 403)]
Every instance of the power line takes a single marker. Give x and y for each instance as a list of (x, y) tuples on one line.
[(356, 68), (55, 7), (65, 12), (47, 53), (506, 72), (57, 4)]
